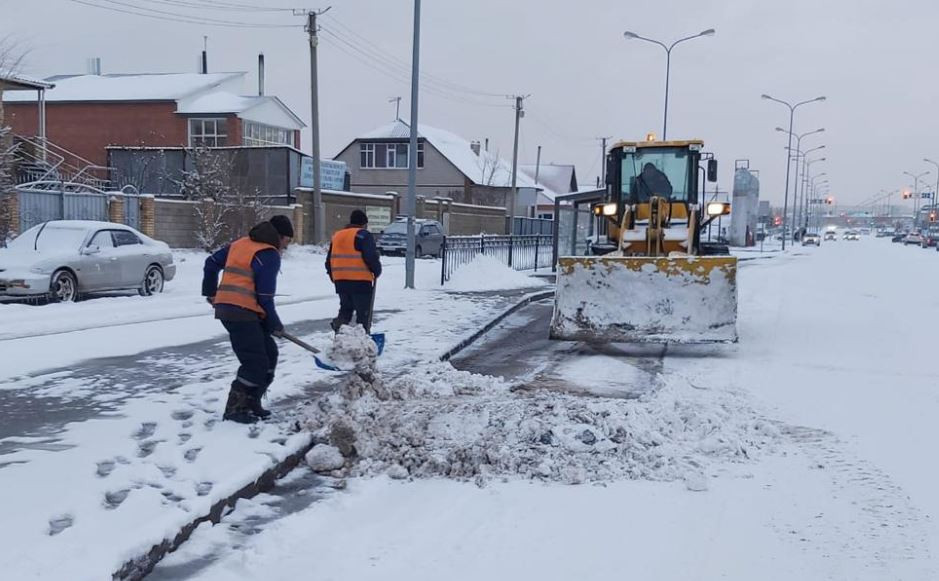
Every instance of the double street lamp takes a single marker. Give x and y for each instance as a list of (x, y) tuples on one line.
[(792, 112), (668, 63), (935, 193)]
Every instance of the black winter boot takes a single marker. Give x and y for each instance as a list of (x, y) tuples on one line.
[(237, 408), (254, 402)]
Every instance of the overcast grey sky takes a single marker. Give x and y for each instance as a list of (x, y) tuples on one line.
[(874, 60)]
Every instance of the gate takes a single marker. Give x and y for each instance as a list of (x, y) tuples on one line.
[(44, 201)]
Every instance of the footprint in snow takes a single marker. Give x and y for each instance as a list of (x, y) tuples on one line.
[(184, 437), (146, 430), (105, 467), (181, 415), (210, 423), (168, 471), (203, 488), (191, 454), (146, 448), (57, 524), (114, 498)]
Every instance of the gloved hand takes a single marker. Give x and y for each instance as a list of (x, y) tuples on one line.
[(279, 333)]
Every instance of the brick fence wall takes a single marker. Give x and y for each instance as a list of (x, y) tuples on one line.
[(176, 223)]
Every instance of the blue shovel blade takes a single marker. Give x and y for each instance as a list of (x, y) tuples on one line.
[(378, 338)]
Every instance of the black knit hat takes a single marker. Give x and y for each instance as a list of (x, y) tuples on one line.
[(282, 224), (358, 218)]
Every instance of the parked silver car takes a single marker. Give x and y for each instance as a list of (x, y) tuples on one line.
[(428, 238), (64, 259)]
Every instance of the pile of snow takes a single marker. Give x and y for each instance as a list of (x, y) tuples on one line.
[(487, 273), (437, 421)]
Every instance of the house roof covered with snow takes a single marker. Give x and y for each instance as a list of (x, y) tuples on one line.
[(16, 82), (482, 169), (134, 87), (261, 108), (560, 178)]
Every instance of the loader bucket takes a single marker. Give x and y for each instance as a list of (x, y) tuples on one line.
[(618, 299)]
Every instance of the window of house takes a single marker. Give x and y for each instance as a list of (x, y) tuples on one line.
[(388, 155), (258, 134), (208, 132)]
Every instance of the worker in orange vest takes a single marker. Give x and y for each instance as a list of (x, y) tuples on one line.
[(353, 265), (244, 303)]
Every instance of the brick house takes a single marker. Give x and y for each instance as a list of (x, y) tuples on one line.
[(448, 166), (85, 114)]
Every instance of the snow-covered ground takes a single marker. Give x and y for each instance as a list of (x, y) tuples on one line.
[(110, 438), (835, 353)]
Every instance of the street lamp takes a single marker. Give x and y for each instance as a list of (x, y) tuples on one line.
[(792, 113), (798, 151), (668, 63), (935, 194), (806, 169), (916, 178)]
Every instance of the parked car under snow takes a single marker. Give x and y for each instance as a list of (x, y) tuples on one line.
[(64, 259)]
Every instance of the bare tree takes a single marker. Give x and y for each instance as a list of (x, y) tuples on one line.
[(488, 165), (10, 60)]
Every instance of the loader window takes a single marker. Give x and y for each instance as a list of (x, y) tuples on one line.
[(656, 171)]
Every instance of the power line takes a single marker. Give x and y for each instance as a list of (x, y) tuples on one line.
[(369, 59), (180, 18), (438, 79), (224, 7)]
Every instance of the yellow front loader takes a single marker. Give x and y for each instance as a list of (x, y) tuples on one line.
[(653, 280)]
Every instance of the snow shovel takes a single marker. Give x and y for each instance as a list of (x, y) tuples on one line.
[(378, 338)]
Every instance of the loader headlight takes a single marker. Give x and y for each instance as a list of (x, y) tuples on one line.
[(609, 209), (718, 208)]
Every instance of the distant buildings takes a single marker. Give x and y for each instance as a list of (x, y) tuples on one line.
[(448, 167)]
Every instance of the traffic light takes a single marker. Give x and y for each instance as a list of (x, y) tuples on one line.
[(829, 200), (906, 195), (932, 216)]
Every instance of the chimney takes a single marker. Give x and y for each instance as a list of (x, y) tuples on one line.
[(205, 55), (261, 75), (475, 147), (487, 144), (94, 66)]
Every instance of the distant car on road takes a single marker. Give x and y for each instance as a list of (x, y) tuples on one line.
[(62, 260), (865, 231), (898, 237), (930, 238), (830, 235), (428, 238), (810, 239), (851, 235), (912, 238)]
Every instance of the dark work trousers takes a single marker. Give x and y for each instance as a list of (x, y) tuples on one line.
[(256, 351), (358, 302)]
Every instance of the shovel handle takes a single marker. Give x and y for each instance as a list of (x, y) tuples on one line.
[(296, 341)]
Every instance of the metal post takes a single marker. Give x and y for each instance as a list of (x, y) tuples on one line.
[(412, 152), (792, 113), (668, 70), (537, 165), (319, 218), (603, 161)]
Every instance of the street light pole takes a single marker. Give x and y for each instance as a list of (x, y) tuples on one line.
[(668, 64), (916, 178), (935, 194), (792, 112), (412, 149), (807, 167), (798, 153)]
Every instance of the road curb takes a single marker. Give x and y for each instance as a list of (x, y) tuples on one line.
[(139, 567), (527, 300)]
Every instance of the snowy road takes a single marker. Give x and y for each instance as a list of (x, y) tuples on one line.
[(835, 350)]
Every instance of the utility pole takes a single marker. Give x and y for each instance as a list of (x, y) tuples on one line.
[(397, 102), (519, 113), (412, 149), (603, 160), (319, 219)]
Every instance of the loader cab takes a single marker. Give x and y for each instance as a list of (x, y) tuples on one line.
[(639, 170)]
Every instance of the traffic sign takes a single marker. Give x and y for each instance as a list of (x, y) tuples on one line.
[(927, 195)]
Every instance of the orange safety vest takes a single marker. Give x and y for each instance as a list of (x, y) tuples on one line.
[(345, 262), (237, 286)]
